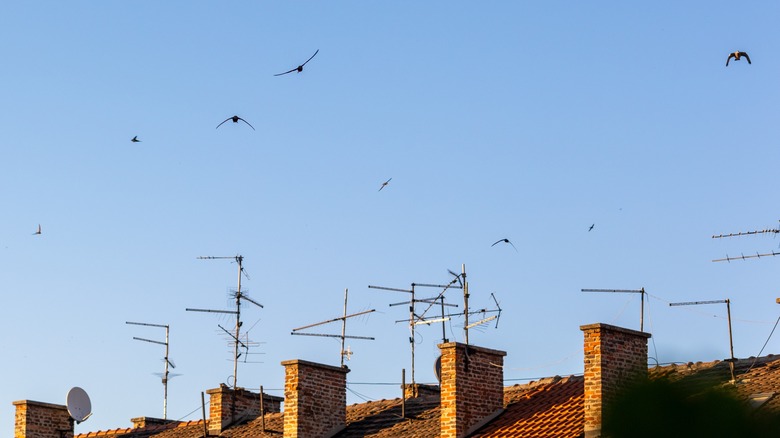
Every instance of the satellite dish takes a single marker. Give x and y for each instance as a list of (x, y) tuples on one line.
[(437, 368), (79, 406)]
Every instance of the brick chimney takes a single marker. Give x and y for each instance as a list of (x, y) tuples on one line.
[(41, 420), (228, 406), (614, 357), (472, 387), (315, 399)]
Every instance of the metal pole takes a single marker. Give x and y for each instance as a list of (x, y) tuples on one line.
[(403, 393), (465, 302), (411, 329), (239, 259), (642, 315), (731, 341), (203, 410), (262, 407), (165, 378), (443, 327), (344, 326)]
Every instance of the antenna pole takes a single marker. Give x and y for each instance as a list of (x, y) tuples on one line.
[(239, 260), (731, 341), (642, 311), (165, 378), (411, 329), (344, 326), (465, 301)]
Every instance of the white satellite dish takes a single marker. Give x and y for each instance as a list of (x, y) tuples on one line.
[(79, 406)]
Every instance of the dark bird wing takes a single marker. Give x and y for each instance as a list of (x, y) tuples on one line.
[(229, 118), (289, 71), (253, 128), (729, 58), (312, 57), (746, 56), (513, 245), (497, 242)]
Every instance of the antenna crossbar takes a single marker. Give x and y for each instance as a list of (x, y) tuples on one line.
[(694, 303), (334, 320), (146, 324), (391, 289), (614, 290), (747, 233), (232, 312), (149, 340), (743, 257), (631, 291), (325, 335)]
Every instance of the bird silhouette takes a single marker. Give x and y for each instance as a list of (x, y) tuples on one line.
[(39, 230), (737, 55), (384, 184), (591, 227), (505, 241), (235, 119), (300, 67), (135, 139)]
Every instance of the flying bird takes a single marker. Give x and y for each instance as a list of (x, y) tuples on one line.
[(737, 55), (384, 184), (39, 230), (135, 139), (591, 227), (505, 241), (300, 67), (235, 119)]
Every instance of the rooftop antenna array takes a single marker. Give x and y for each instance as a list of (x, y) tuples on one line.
[(239, 295), (630, 291), (345, 353), (414, 319), (166, 359), (747, 233), (728, 312)]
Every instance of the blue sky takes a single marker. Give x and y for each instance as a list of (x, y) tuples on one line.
[(521, 120)]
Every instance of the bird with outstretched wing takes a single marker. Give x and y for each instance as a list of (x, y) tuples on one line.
[(235, 119), (300, 67)]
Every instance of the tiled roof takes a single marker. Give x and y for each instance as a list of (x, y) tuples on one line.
[(383, 418), (549, 408)]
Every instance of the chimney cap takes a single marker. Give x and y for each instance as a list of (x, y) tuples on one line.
[(602, 326)]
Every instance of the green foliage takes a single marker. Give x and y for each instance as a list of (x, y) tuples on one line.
[(662, 408)]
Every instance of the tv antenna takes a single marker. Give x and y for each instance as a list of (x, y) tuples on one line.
[(414, 319), (239, 295), (747, 233), (345, 353), (467, 310), (166, 359), (728, 313), (630, 291)]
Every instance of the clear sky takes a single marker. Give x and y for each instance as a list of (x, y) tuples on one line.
[(507, 119)]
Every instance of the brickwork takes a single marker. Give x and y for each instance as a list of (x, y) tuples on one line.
[(226, 406), (472, 387), (315, 399), (614, 356), (41, 420)]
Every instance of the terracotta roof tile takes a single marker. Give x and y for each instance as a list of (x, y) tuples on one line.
[(550, 408)]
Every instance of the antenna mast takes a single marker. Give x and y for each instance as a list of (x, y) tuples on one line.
[(238, 296), (343, 335), (415, 320), (166, 360), (728, 313), (632, 291)]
